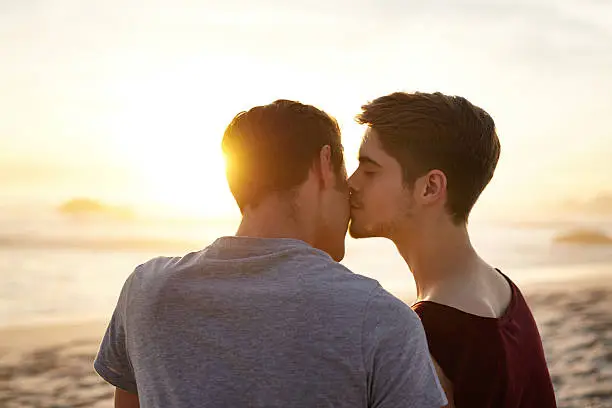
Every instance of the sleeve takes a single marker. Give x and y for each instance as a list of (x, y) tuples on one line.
[(112, 362), (396, 356)]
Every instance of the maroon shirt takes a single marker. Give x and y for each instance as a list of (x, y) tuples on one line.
[(497, 363)]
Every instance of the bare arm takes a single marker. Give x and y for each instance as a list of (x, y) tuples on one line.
[(124, 399), (446, 384)]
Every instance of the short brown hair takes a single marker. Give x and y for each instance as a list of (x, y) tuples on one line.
[(271, 148), (424, 131)]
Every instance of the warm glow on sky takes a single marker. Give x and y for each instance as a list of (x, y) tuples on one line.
[(126, 101), (168, 127)]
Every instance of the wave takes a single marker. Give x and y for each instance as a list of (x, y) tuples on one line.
[(584, 236), (98, 243)]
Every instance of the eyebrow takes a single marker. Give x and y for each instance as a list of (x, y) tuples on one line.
[(368, 160)]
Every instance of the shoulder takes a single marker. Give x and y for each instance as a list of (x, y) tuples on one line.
[(317, 268), (387, 312), (430, 311), (156, 270), (445, 326), (153, 267), (448, 323), (461, 342)]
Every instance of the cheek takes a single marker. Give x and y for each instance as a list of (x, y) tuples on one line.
[(382, 198)]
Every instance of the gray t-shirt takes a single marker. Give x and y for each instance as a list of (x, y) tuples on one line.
[(252, 322)]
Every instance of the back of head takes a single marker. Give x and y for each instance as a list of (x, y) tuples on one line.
[(278, 150), (425, 132), (271, 148)]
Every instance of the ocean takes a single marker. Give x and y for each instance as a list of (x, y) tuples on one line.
[(57, 269)]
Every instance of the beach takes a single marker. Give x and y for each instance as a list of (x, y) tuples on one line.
[(51, 365)]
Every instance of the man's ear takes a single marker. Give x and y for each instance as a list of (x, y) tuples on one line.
[(325, 168), (432, 187)]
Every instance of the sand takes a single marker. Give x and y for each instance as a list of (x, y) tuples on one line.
[(51, 366), (576, 329)]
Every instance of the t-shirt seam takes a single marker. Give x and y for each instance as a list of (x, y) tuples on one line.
[(128, 293), (312, 251), (119, 380)]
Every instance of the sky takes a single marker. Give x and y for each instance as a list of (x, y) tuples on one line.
[(126, 100)]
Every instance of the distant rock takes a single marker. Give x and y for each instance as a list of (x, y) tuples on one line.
[(584, 237), (79, 207), (600, 204)]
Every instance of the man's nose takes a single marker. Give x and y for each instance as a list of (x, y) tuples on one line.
[(351, 182)]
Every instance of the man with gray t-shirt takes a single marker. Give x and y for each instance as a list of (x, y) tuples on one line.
[(268, 318)]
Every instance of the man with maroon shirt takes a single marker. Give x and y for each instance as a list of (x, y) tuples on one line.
[(424, 161)]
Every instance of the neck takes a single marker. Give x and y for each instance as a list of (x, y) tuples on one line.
[(438, 255), (274, 219)]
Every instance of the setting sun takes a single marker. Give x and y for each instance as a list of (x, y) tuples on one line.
[(167, 129)]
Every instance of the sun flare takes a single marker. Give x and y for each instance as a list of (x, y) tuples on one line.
[(169, 134)]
